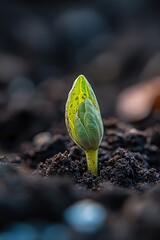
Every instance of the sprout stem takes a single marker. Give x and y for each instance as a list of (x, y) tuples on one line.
[(92, 161)]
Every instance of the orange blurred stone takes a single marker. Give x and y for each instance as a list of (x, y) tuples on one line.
[(137, 102)]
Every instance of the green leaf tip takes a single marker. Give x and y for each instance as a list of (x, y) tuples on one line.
[(83, 117)]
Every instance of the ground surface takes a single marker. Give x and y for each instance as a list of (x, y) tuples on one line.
[(49, 174)]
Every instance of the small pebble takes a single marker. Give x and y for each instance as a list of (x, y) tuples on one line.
[(21, 85), (86, 216), (20, 231), (57, 232), (42, 138)]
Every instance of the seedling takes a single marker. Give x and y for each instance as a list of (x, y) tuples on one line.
[(83, 120)]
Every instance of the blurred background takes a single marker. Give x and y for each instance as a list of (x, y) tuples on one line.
[(45, 45)]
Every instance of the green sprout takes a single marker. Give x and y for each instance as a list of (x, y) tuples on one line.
[(83, 120)]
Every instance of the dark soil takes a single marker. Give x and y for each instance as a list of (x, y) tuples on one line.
[(50, 174), (127, 158)]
